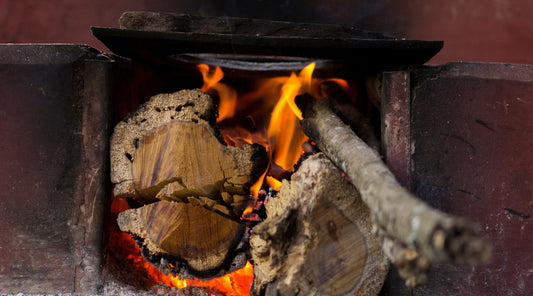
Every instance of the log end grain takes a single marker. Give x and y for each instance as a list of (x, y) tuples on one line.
[(186, 105), (184, 234), (317, 238)]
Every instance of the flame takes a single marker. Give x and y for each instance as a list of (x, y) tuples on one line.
[(284, 130), (343, 84), (228, 95), (273, 182), (305, 77), (236, 283), (284, 133)]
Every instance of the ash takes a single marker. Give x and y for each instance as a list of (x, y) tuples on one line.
[(117, 289)]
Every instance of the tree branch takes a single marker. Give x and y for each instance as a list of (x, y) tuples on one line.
[(433, 236)]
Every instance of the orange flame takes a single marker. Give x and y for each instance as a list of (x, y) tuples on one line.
[(283, 133), (228, 95), (236, 283), (305, 77), (284, 130)]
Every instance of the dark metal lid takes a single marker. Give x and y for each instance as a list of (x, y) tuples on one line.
[(152, 36)]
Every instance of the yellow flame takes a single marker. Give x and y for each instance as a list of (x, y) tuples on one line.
[(284, 131), (273, 182), (247, 211), (305, 77)]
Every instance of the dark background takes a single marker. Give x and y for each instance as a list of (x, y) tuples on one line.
[(475, 30)]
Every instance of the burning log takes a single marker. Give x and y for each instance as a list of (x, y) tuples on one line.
[(186, 234), (414, 235), (169, 155), (316, 238)]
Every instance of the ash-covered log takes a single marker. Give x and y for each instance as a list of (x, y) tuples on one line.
[(414, 235)]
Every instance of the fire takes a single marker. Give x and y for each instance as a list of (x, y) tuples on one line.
[(284, 130), (236, 283), (283, 134), (273, 182), (283, 138)]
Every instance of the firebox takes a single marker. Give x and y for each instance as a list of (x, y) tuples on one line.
[(455, 135)]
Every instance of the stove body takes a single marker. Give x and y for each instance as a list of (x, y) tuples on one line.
[(457, 135)]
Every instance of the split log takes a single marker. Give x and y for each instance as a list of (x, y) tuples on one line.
[(184, 159), (178, 156), (186, 105), (403, 222), (186, 239), (316, 239)]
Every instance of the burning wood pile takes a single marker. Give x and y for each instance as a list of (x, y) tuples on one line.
[(208, 202)]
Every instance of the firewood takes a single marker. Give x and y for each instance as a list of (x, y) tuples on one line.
[(180, 155), (183, 159), (185, 234), (350, 114), (186, 105), (316, 239), (410, 224)]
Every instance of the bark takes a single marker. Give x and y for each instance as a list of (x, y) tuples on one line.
[(317, 238), (431, 235)]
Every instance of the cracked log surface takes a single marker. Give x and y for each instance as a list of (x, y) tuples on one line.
[(415, 235), (185, 105), (317, 238), (184, 160), (169, 149), (169, 156)]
